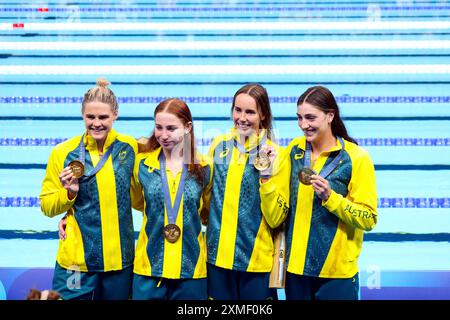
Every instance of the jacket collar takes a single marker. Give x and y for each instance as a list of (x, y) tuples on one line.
[(152, 158), (337, 147), (252, 141), (91, 144)]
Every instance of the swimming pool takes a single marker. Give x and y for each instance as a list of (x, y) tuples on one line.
[(388, 64)]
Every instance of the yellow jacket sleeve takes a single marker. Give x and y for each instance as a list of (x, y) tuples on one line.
[(53, 197), (359, 207), (275, 192)]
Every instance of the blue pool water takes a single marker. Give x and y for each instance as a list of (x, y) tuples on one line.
[(387, 62)]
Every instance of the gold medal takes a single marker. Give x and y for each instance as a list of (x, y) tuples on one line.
[(77, 168), (262, 161), (305, 175), (172, 232)]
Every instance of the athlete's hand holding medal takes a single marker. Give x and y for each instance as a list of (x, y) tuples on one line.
[(308, 176), (264, 160), (321, 187), (69, 180)]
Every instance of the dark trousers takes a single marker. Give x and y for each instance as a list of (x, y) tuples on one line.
[(75, 285), (224, 284), (153, 288), (314, 288)]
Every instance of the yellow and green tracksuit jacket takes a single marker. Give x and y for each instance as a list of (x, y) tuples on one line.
[(100, 235), (155, 256), (243, 211), (324, 238)]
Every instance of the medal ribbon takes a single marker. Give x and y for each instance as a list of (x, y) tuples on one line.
[(172, 212), (100, 164), (328, 169), (251, 152)]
